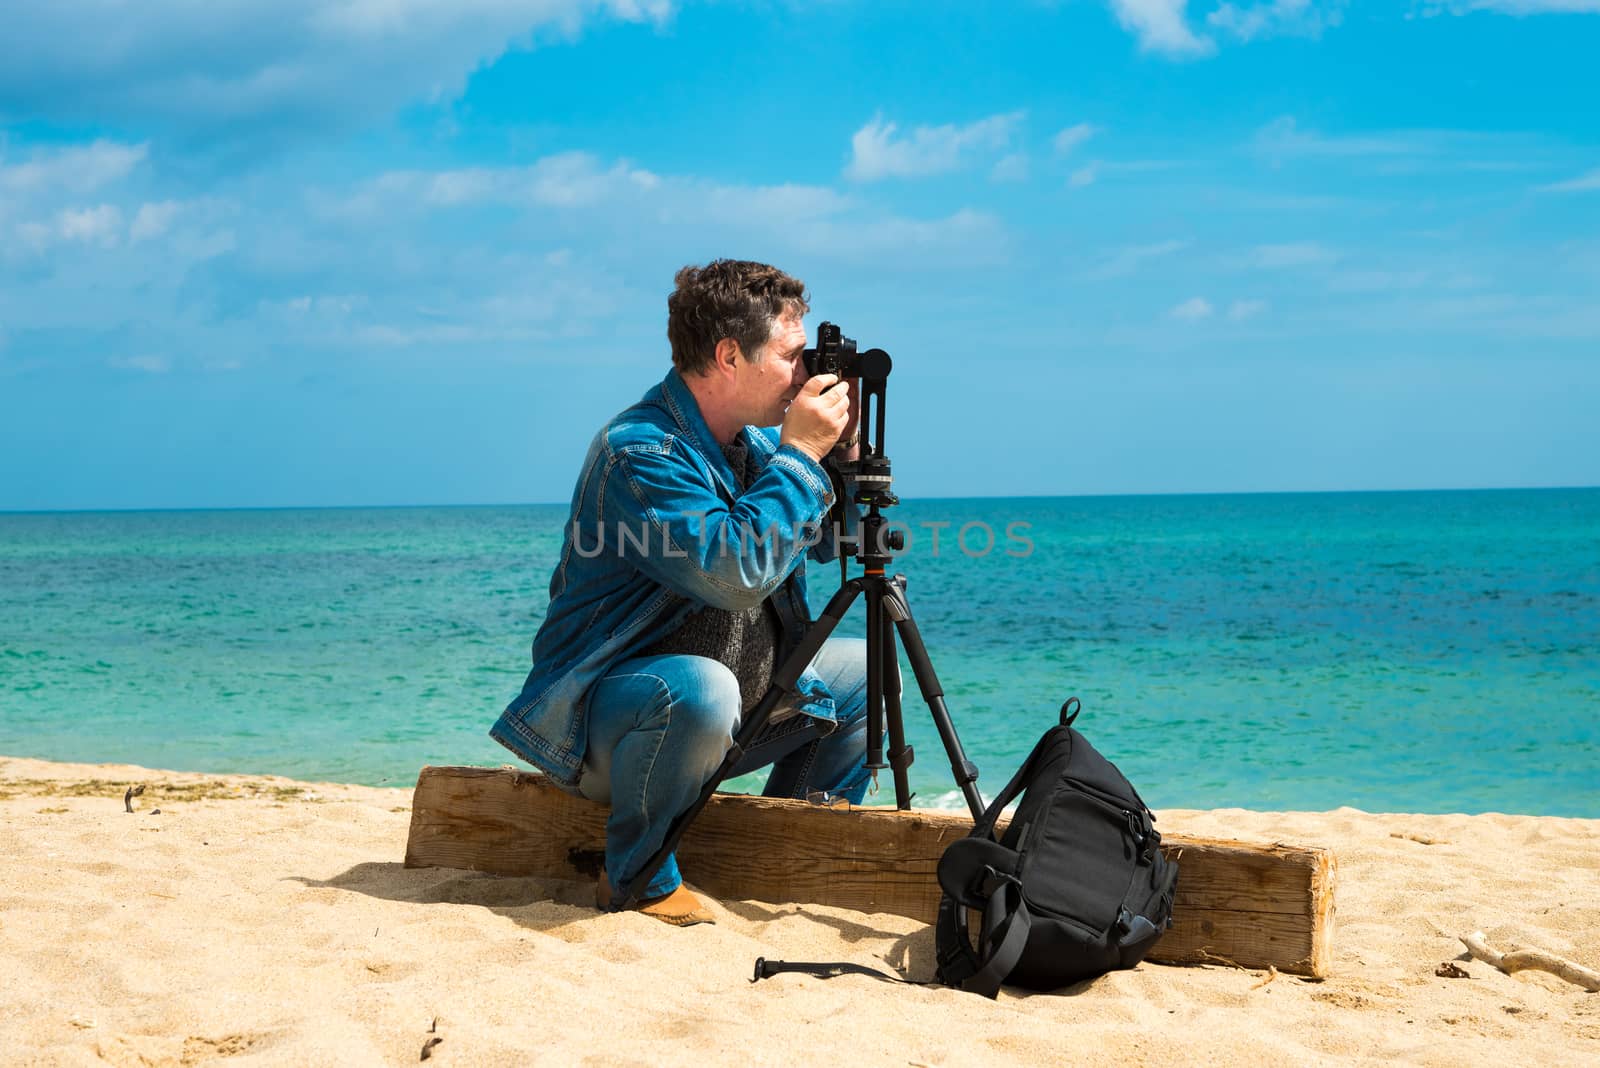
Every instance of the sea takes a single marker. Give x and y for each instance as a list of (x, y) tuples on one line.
[(1396, 652)]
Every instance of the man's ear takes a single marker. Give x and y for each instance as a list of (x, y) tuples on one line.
[(728, 353)]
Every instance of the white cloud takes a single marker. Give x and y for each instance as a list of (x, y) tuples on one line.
[(1274, 18), (323, 306), (963, 239), (877, 152), (1291, 254), (73, 169), (1127, 261), (226, 68), (100, 225), (1012, 168), (1514, 7), (35, 235), (1400, 152), (578, 180), (263, 272), (565, 179), (1161, 26), (1283, 137), (1583, 183), (462, 186), (202, 245), (573, 178), (1377, 281), (622, 195), (152, 220), (152, 365), (1192, 310), (1521, 317), (387, 335), (1084, 175), (1240, 310), (754, 205), (1073, 136), (364, 19)]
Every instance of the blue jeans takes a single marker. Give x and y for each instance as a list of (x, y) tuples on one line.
[(659, 726)]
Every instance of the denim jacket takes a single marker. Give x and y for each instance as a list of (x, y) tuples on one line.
[(659, 529)]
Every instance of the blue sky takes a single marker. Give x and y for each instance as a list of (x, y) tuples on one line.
[(416, 251)]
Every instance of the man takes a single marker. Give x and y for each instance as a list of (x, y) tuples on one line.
[(681, 583)]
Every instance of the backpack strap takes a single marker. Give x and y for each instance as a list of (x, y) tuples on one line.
[(1002, 936), (985, 824), (956, 963), (765, 969), (1006, 921)]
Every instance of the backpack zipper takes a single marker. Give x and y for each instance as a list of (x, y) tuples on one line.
[(1137, 829)]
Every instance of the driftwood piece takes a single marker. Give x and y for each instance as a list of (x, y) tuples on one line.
[(1244, 904), (1519, 960)]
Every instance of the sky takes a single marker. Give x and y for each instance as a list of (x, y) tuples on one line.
[(386, 252)]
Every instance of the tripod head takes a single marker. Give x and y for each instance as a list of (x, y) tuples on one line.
[(869, 475)]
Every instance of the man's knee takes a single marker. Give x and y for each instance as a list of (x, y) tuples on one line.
[(850, 651), (845, 671), (705, 702)]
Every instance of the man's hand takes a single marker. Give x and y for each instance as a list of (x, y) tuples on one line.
[(816, 419)]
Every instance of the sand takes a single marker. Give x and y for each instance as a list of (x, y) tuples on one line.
[(264, 921)]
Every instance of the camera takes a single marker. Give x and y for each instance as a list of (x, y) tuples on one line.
[(836, 354)]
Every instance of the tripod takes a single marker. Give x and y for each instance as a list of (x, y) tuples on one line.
[(888, 613)]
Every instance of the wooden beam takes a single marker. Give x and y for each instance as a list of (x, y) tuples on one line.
[(1244, 904)]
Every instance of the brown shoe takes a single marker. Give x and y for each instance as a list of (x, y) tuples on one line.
[(681, 908)]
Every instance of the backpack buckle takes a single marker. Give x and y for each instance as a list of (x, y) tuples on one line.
[(948, 958), (1134, 928), (991, 879)]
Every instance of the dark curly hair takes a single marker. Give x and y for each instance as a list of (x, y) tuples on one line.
[(738, 299)]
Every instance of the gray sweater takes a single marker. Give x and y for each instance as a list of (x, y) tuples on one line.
[(746, 641)]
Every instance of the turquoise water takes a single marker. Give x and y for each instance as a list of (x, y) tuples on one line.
[(1392, 651)]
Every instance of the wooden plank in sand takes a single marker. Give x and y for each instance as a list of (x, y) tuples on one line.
[(1245, 904)]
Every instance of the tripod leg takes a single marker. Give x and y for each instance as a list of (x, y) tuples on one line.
[(784, 680), (900, 754), (875, 630), (964, 770)]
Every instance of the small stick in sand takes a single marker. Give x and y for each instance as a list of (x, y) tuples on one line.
[(1272, 973), (427, 1047), (127, 798), (1523, 959), (1209, 957)]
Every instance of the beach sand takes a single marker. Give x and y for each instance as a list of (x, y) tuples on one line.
[(259, 920)]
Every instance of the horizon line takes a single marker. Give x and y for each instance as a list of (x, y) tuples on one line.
[(969, 497)]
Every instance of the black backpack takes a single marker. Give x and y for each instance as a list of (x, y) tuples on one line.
[(1076, 887)]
